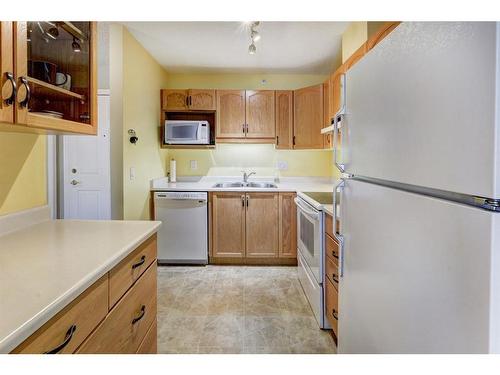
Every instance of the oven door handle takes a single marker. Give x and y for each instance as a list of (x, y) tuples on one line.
[(308, 212)]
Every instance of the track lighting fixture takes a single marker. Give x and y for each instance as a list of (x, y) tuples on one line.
[(254, 37)]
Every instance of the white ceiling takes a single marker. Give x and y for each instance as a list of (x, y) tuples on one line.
[(285, 47)]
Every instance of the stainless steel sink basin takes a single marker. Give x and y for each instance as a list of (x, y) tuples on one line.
[(229, 184), (259, 185)]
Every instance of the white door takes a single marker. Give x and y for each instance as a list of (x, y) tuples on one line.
[(86, 171), (417, 274), (421, 108)]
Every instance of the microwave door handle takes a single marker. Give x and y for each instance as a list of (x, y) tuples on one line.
[(312, 214)]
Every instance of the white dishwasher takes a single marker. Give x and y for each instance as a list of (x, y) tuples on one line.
[(183, 235)]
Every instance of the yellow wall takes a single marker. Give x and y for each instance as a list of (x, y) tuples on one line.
[(230, 159), (243, 81), (353, 38), (143, 78), (23, 182)]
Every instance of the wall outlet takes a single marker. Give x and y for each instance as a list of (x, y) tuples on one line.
[(193, 164), (282, 165), (132, 173)]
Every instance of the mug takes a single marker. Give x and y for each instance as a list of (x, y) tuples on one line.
[(63, 80)]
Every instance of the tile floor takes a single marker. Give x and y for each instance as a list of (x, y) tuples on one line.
[(236, 309)]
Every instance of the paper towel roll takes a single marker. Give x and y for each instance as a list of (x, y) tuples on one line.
[(173, 171)]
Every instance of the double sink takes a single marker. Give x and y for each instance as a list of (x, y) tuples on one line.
[(240, 184)]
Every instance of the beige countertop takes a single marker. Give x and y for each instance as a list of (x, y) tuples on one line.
[(206, 183), (43, 267)]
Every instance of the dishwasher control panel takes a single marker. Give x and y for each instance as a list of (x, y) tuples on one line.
[(187, 195)]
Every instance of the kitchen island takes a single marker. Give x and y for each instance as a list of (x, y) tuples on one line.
[(47, 266)]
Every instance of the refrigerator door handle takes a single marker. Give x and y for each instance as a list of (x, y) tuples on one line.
[(338, 236), (340, 166)]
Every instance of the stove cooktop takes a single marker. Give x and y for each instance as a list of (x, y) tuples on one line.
[(320, 197)]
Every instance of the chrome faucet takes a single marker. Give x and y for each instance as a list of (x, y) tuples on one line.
[(246, 176)]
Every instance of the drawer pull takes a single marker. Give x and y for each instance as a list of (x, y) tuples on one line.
[(334, 254), (67, 339), (139, 263), (335, 278), (141, 315), (335, 314)]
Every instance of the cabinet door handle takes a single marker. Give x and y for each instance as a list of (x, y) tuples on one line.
[(187, 101), (190, 100), (335, 314), (243, 128), (139, 263), (12, 98), (335, 278), (248, 200), (24, 103), (141, 315), (67, 339), (293, 140), (242, 201), (334, 254), (277, 140)]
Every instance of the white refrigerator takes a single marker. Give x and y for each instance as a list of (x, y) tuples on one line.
[(420, 225)]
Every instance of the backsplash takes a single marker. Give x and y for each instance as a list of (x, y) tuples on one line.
[(229, 160)]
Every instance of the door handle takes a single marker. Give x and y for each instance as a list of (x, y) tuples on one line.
[(24, 103), (338, 236), (74, 182), (12, 98), (340, 166)]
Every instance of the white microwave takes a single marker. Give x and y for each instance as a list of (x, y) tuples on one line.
[(178, 132)]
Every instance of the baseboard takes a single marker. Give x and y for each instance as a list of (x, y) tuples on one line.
[(253, 261)]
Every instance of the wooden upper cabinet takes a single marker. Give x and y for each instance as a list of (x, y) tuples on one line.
[(336, 90), (262, 225), (230, 114), (228, 224), (381, 33), (56, 75), (174, 100), (327, 116), (201, 100), (260, 114), (284, 119), (287, 226), (7, 101), (308, 117)]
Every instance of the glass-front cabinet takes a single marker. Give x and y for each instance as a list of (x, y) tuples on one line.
[(55, 76)]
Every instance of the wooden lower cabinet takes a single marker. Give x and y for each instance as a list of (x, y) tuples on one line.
[(332, 305), (89, 324), (124, 328), (287, 225), (252, 227), (150, 343), (228, 224), (262, 225)]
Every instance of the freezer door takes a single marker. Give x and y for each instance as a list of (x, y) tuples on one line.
[(416, 274), (421, 108)]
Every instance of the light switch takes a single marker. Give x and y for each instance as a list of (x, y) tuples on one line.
[(132, 173), (193, 164), (282, 165)]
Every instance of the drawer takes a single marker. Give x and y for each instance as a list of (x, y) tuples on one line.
[(71, 326), (130, 269), (128, 322), (329, 224), (149, 344), (332, 249), (332, 305), (332, 272)]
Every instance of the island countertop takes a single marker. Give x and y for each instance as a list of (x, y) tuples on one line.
[(47, 265)]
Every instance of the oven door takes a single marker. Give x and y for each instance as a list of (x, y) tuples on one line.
[(309, 238), (182, 132)]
